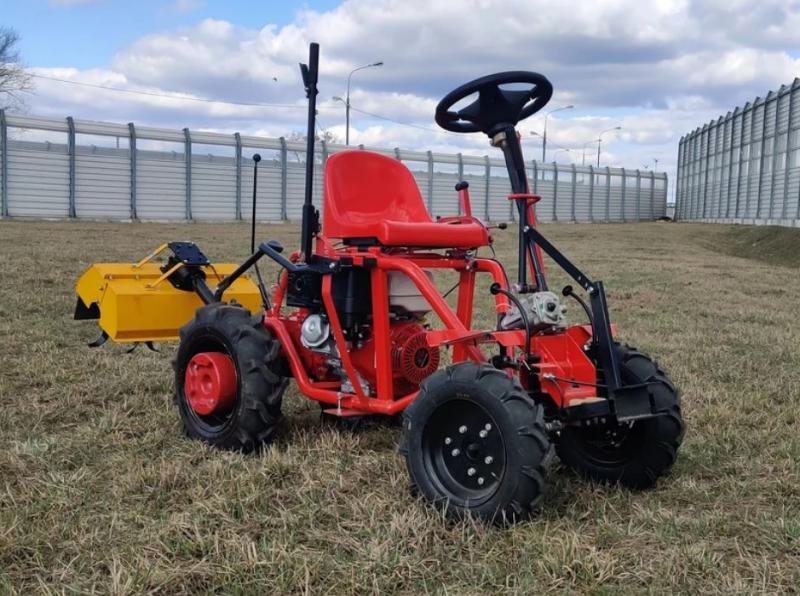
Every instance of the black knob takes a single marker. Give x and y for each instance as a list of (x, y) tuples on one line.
[(275, 245), (567, 291), (551, 306), (256, 158), (494, 289), (462, 185)]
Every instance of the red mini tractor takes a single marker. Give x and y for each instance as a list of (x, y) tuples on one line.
[(348, 321)]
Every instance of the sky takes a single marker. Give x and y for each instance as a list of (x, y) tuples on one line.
[(656, 68)]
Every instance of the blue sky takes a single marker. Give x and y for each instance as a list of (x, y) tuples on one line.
[(88, 34), (657, 69)]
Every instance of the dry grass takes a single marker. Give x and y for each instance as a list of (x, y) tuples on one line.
[(100, 492)]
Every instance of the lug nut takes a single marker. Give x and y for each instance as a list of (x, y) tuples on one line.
[(483, 434), (455, 452), (471, 471), (481, 480), (489, 459), (462, 429), (448, 440), (488, 426)]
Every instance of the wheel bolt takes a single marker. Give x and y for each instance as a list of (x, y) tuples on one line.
[(481, 480), (488, 426), (462, 429), (489, 459), (471, 471), (455, 452), (483, 434), (448, 440)]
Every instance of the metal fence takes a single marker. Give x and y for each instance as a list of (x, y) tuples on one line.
[(53, 168), (744, 167)]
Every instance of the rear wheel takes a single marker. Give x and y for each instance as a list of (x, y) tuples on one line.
[(227, 389), (475, 444), (633, 454)]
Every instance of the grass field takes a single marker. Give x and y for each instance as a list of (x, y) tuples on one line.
[(100, 492)]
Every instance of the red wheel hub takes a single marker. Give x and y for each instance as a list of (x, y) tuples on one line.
[(210, 383)]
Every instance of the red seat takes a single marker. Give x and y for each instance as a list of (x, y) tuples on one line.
[(371, 196)]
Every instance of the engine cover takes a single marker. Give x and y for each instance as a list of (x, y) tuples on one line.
[(412, 359)]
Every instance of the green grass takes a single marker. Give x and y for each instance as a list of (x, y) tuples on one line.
[(100, 492)]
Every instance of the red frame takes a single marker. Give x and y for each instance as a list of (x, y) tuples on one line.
[(565, 372)]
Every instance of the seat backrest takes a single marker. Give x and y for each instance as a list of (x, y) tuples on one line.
[(363, 189)]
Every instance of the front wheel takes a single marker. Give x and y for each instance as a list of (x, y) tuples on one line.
[(227, 385), (633, 454), (475, 444)]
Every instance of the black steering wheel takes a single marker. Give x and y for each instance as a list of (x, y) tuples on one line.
[(495, 108)]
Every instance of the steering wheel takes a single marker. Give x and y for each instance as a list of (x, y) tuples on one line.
[(495, 108)]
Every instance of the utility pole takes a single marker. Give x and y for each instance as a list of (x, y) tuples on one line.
[(346, 100), (600, 140), (544, 136)]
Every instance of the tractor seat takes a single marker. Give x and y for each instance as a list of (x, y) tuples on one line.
[(371, 198)]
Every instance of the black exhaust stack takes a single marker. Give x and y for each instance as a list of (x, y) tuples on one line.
[(310, 224)]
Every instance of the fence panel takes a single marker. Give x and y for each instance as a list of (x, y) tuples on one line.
[(748, 164), (63, 168)]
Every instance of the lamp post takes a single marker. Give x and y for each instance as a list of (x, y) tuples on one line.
[(600, 140), (583, 151), (346, 100), (559, 151), (544, 136)]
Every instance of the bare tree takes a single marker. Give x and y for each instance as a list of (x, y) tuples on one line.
[(14, 80)]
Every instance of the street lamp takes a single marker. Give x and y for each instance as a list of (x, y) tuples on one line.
[(600, 140), (585, 145), (559, 151), (544, 136), (346, 100)]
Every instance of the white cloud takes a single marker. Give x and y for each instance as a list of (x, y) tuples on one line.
[(658, 69)]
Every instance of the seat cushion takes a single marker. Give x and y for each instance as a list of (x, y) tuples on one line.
[(432, 235)]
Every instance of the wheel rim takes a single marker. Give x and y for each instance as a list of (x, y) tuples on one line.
[(610, 446), (210, 383), (464, 451), (219, 416)]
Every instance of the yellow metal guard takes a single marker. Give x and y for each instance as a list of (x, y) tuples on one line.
[(134, 307)]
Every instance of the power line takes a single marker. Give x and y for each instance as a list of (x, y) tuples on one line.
[(170, 95), (230, 102)]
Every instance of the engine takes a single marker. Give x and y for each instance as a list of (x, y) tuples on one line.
[(411, 358), (544, 309)]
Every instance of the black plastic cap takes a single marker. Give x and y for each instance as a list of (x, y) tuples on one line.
[(257, 158)]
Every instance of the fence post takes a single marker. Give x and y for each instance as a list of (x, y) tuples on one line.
[(750, 157), (535, 176), (788, 151), (460, 176), (555, 191), (132, 158), (761, 157), (574, 189), (653, 196), (638, 195), (741, 159), (187, 155), (730, 165), (71, 157), (486, 191), (591, 193), (3, 164), (430, 183), (624, 188), (397, 154), (238, 165), (608, 194), (284, 179)]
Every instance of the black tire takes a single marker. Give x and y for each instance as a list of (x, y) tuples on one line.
[(634, 455), (256, 413), (433, 429)]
